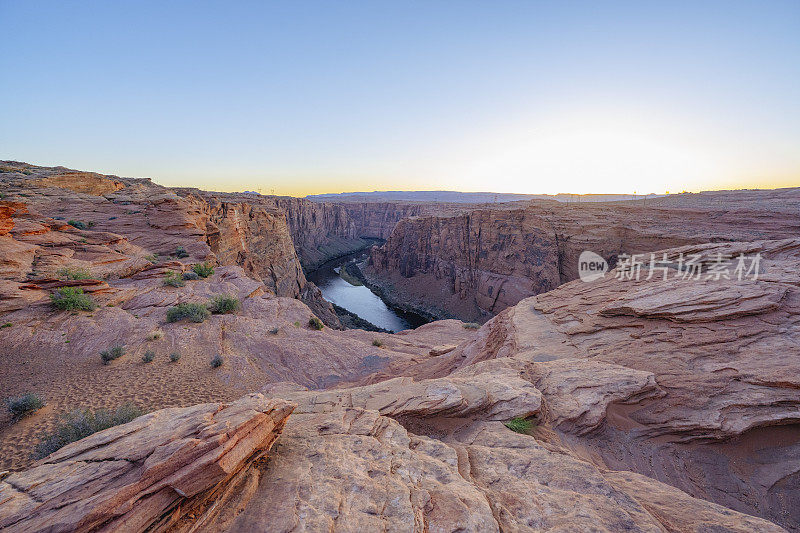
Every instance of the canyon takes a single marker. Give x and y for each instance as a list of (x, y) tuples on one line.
[(646, 404)]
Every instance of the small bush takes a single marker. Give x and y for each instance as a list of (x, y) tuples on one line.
[(6, 325), (274, 331), (112, 353), (24, 405), (377, 342), (74, 273), (190, 276), (297, 323), (174, 357), (148, 356), (174, 279), (315, 323), (180, 252), (155, 335), (222, 304), (192, 311), (519, 425), (217, 361), (471, 325), (153, 258), (77, 224), (72, 298), (203, 269), (80, 424)]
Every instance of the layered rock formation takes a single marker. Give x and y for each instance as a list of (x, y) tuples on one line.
[(641, 404), (355, 460), (149, 474), (475, 263), (688, 381)]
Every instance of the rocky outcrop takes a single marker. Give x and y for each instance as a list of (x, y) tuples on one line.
[(690, 382), (474, 264), (147, 475)]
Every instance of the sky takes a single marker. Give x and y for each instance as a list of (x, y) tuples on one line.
[(303, 97)]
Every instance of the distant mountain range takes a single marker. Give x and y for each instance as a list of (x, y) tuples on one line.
[(467, 197)]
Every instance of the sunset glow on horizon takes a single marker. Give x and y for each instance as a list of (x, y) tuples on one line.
[(319, 97)]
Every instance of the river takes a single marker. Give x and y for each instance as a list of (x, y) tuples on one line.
[(348, 293)]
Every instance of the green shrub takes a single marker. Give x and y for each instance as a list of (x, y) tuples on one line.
[(148, 356), (174, 279), (174, 357), (193, 311), (81, 423), (72, 298), (471, 325), (223, 304), (520, 425), (297, 323), (274, 330), (217, 361), (190, 276), (153, 258), (155, 335), (6, 325), (112, 353), (315, 323), (77, 224), (180, 252), (24, 405), (203, 269), (74, 273), (377, 342)]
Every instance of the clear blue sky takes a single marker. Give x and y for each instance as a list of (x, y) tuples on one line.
[(305, 97)]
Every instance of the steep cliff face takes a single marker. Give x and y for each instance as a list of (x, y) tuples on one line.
[(320, 231), (254, 237), (471, 263), (377, 219), (474, 264)]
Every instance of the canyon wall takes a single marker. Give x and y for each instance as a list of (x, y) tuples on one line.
[(472, 265)]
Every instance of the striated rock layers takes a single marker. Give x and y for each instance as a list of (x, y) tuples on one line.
[(475, 263), (690, 382), (155, 473), (409, 456)]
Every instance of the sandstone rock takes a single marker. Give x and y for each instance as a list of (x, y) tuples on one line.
[(497, 394), (143, 474)]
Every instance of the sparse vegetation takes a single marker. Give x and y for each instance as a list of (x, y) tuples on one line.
[(155, 335), (519, 425), (153, 258), (297, 323), (217, 361), (112, 353), (74, 273), (223, 304), (274, 331), (190, 276), (193, 311), (180, 252), (6, 325), (71, 299), (148, 356), (77, 224), (377, 342), (174, 279), (315, 323), (79, 424), (25, 405), (203, 269), (174, 357), (471, 325)]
